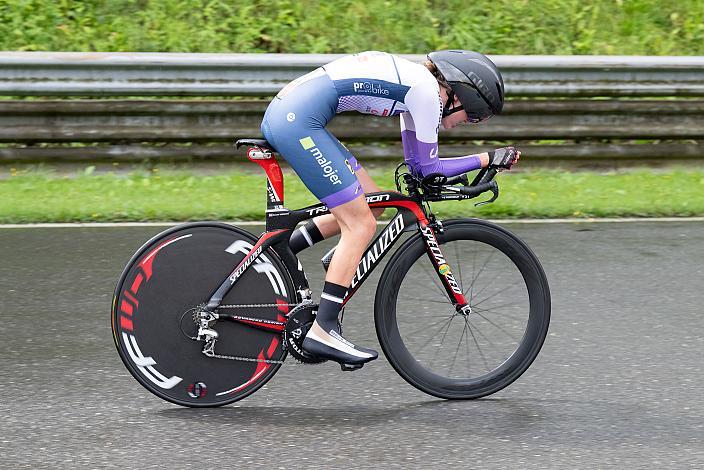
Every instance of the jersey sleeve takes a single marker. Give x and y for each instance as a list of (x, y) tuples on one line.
[(419, 133), (410, 143)]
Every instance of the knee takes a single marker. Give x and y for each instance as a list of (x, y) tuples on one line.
[(377, 212), (361, 229), (365, 227)]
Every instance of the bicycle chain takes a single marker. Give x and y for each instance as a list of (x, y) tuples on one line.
[(248, 359), (243, 358), (260, 320), (238, 317), (256, 305)]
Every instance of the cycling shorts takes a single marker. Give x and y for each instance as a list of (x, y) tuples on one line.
[(294, 124)]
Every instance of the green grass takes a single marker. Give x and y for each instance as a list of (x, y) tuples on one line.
[(176, 196), (659, 27)]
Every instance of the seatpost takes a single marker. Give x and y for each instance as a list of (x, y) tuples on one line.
[(274, 178)]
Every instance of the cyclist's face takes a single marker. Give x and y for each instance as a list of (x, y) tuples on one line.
[(455, 118)]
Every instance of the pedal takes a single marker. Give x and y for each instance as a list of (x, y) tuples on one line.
[(350, 366)]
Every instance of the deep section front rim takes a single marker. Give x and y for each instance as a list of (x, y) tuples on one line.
[(509, 295)]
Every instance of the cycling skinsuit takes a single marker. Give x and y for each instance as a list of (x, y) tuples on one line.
[(371, 83)]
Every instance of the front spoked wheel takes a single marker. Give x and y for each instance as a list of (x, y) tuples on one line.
[(156, 310), (463, 355)]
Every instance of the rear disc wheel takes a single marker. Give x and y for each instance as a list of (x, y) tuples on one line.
[(166, 282)]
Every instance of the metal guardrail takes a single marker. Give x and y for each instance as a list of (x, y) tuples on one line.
[(169, 74), (551, 105), (212, 121)]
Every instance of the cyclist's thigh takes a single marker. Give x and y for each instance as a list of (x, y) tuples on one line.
[(368, 185), (295, 126), (351, 159), (323, 168)]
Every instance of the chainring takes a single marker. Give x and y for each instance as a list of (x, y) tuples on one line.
[(299, 322)]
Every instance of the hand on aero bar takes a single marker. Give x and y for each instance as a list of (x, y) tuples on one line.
[(503, 158)]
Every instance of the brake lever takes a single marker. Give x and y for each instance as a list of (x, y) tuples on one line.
[(494, 190)]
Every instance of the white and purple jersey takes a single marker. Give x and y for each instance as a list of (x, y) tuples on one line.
[(372, 83), (385, 85)]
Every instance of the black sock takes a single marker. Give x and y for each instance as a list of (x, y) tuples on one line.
[(330, 305), (305, 236)]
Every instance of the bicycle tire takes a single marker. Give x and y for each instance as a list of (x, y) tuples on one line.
[(415, 367), (176, 271)]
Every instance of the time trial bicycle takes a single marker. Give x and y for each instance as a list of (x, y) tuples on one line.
[(206, 313)]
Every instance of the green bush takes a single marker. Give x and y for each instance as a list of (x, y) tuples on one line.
[(658, 27)]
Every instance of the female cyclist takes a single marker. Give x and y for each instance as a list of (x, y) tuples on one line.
[(452, 87)]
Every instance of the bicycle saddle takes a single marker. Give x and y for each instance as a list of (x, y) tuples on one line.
[(261, 143)]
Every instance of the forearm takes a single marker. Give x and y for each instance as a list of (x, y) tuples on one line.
[(454, 166)]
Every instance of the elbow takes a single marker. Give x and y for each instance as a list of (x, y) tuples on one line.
[(434, 167)]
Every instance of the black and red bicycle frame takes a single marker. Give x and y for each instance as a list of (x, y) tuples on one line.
[(281, 221)]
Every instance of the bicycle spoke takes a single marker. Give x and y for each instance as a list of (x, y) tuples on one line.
[(466, 343), (497, 312), (458, 262), (494, 307), (425, 327), (442, 340), (459, 343), (489, 283), (424, 286), (498, 327), (474, 265), (494, 295), (433, 278), (446, 302), (486, 364), (482, 334), (449, 322), (480, 271)]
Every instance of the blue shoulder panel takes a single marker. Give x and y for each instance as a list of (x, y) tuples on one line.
[(371, 87)]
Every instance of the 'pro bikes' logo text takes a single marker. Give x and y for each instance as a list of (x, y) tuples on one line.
[(440, 259), (370, 88), (328, 171)]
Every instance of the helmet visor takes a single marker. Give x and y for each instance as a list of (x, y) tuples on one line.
[(474, 104)]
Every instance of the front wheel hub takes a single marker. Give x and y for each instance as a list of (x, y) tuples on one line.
[(465, 310)]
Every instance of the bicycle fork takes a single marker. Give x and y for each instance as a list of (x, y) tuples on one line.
[(453, 289)]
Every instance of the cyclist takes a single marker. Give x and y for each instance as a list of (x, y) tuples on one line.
[(450, 88)]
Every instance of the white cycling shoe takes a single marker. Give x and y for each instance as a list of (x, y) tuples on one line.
[(331, 345)]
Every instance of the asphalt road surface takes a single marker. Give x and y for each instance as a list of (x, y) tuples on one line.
[(617, 383)]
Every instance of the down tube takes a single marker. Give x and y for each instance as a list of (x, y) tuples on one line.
[(376, 251)]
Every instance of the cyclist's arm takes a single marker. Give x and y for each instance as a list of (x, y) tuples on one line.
[(419, 133), (410, 143)]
